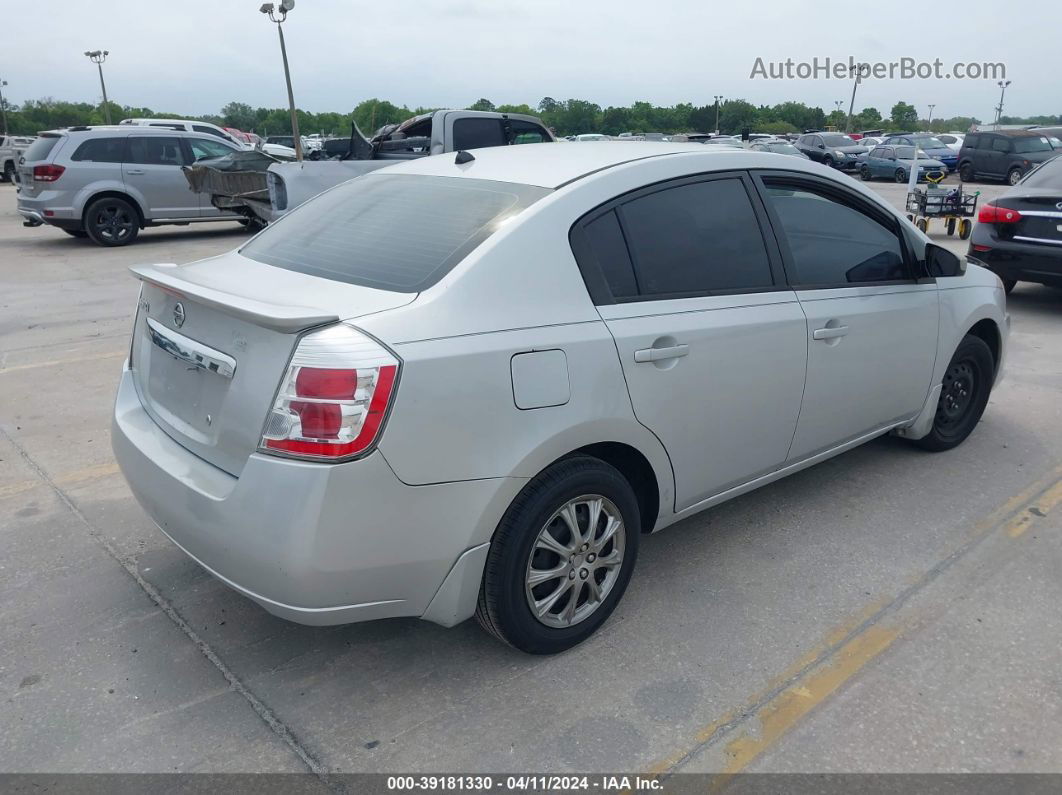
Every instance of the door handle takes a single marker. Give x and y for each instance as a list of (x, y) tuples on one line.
[(660, 354), (830, 333), (134, 171)]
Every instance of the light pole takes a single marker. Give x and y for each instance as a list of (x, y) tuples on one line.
[(3, 105), (718, 99), (929, 124), (1002, 90), (279, 17), (98, 57), (861, 71)]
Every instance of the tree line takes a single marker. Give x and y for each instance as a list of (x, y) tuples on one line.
[(565, 117)]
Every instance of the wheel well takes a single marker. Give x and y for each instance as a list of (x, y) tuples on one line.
[(115, 194), (989, 332), (636, 468)]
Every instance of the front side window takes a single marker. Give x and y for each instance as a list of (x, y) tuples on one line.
[(475, 133), (155, 150), (202, 148), (393, 232), (525, 132), (832, 243), (697, 238), (1026, 145), (101, 150)]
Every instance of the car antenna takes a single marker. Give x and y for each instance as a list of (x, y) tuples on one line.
[(464, 157)]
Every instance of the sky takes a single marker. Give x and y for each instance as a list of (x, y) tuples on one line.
[(194, 56)]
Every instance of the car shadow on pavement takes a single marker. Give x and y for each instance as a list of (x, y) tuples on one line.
[(152, 236)]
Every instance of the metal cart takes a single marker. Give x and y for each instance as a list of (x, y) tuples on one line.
[(953, 206)]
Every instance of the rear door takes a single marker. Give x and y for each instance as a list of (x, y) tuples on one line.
[(152, 173), (871, 323), (711, 344)]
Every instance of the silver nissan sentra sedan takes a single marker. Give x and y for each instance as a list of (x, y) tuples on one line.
[(468, 385)]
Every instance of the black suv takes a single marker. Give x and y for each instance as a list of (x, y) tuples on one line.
[(831, 149), (1006, 155)]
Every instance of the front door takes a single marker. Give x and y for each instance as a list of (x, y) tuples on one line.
[(200, 149), (871, 324), (152, 173), (711, 343)]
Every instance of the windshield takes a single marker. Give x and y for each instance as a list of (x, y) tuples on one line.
[(390, 231), (1038, 144), (836, 139), (1049, 175), (929, 142)]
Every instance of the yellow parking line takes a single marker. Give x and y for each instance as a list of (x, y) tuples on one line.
[(862, 640), (59, 362)]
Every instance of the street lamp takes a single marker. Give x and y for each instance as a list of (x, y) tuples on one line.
[(929, 124), (3, 105), (1002, 90), (861, 71), (718, 99), (278, 15), (98, 57)]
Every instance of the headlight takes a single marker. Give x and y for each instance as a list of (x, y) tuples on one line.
[(840, 154)]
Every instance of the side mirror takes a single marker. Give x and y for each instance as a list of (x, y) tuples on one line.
[(941, 262), (822, 146)]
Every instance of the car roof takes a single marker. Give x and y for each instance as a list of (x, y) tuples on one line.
[(123, 129), (549, 166), (1017, 133)]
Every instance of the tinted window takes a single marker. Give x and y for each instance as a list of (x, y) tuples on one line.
[(101, 150), (971, 141), (392, 232), (877, 152), (948, 139), (1024, 145), (696, 238), (833, 244), (203, 148), (209, 131), (1049, 175), (41, 148), (155, 151), (1000, 145), (608, 247), (472, 133), (524, 132)]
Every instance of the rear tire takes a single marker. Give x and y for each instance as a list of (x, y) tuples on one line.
[(9, 171), (111, 221), (967, 384), (520, 566)]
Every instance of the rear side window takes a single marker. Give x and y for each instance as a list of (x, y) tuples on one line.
[(41, 148), (832, 243), (155, 150), (696, 238), (393, 232), (473, 133), (101, 150), (606, 244)]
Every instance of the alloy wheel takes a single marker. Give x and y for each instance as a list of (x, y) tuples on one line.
[(575, 561), (113, 223)]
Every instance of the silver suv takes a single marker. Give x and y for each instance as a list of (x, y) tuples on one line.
[(108, 183)]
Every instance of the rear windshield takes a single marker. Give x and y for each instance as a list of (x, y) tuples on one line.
[(389, 231), (1049, 175), (41, 148)]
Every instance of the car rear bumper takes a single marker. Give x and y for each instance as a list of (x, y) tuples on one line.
[(315, 543), (46, 209), (1024, 262)]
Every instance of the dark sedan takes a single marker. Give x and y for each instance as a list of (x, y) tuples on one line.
[(1019, 235), (831, 149)]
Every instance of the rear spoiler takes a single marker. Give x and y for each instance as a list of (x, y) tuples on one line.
[(278, 317)]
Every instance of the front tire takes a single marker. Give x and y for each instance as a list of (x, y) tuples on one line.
[(966, 385), (1014, 176), (111, 221), (900, 175), (827, 161), (561, 557), (966, 172), (864, 172)]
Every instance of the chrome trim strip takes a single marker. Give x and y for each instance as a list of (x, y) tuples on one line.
[(1037, 240), (190, 351), (1037, 213)]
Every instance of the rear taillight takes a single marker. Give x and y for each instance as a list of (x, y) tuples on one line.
[(47, 173), (334, 396), (991, 214)]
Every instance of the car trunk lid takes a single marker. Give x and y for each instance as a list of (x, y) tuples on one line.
[(212, 340), (1041, 216)]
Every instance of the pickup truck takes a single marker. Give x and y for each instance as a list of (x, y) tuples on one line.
[(291, 184), (11, 149)]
